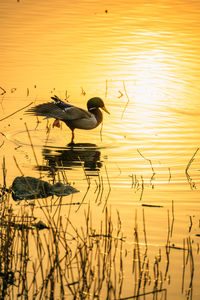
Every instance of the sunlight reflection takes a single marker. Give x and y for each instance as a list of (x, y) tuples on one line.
[(151, 91), (154, 77)]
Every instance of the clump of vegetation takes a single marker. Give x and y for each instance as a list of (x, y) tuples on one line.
[(53, 258)]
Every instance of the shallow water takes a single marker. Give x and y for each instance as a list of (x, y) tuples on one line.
[(143, 60)]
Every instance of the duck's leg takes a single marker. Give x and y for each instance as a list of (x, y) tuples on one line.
[(72, 140), (56, 123)]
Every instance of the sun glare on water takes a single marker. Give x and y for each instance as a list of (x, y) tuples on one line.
[(154, 85), (153, 79)]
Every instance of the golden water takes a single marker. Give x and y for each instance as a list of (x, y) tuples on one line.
[(142, 58)]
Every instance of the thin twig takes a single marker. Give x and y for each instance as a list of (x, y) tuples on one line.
[(150, 162), (172, 224), (109, 191), (144, 294), (3, 91), (101, 130), (36, 160), (189, 179), (190, 227), (126, 102), (191, 160), (16, 111), (106, 92), (2, 144), (142, 187), (170, 175)]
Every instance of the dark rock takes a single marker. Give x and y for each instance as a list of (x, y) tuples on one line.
[(33, 188)]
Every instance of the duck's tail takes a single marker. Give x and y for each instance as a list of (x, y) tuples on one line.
[(47, 110)]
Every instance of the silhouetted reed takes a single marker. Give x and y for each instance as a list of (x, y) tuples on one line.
[(189, 178)]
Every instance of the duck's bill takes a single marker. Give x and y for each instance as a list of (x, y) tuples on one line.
[(105, 110)]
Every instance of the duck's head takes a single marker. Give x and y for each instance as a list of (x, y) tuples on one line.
[(95, 103)]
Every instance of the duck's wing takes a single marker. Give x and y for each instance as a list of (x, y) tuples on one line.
[(59, 110)]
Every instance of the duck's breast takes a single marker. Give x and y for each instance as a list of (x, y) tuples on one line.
[(85, 123)]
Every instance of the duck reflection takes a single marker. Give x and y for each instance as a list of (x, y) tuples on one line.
[(77, 155)]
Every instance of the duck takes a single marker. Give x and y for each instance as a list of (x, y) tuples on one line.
[(74, 117)]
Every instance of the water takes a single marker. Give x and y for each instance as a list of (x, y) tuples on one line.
[(142, 58)]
